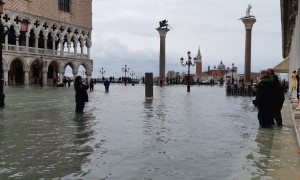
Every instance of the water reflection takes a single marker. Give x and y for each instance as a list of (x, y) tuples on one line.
[(84, 128), (41, 140), (178, 135), (154, 125), (260, 158)]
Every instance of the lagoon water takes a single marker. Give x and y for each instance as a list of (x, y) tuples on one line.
[(203, 134)]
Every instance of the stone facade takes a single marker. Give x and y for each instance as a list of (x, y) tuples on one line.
[(80, 15), (290, 23), (54, 40), (290, 34)]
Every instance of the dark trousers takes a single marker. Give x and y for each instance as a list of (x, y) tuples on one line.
[(265, 117), (79, 106), (277, 116)]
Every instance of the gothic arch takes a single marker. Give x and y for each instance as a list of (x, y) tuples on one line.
[(22, 60), (53, 71), (16, 72)]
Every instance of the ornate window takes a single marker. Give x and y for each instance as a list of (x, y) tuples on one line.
[(64, 5)]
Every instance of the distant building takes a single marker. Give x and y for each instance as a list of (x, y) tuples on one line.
[(198, 63), (59, 35), (216, 73), (221, 72)]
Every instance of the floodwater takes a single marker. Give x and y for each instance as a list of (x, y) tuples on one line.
[(203, 134)]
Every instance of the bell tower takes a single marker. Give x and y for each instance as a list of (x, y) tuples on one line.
[(198, 63)]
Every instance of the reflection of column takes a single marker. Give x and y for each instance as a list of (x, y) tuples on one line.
[(26, 77), (162, 53), (248, 22)]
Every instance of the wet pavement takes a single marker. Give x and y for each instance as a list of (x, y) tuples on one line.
[(203, 134)]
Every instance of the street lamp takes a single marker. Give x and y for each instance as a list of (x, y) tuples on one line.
[(125, 70), (188, 63), (24, 26), (102, 72), (132, 74)]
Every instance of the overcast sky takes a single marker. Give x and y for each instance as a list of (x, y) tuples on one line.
[(124, 32)]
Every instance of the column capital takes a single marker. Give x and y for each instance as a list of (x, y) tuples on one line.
[(162, 31), (248, 22)]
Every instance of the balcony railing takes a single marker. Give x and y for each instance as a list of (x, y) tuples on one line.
[(40, 51)]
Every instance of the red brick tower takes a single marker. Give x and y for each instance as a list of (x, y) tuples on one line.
[(198, 62)]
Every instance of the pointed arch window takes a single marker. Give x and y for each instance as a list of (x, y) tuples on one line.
[(64, 5)]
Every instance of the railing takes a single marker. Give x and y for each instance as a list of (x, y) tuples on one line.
[(42, 51)]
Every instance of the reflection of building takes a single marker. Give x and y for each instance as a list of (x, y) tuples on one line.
[(58, 36)]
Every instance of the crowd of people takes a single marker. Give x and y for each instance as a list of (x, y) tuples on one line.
[(269, 99)]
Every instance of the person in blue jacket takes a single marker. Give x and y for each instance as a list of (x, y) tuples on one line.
[(106, 85)]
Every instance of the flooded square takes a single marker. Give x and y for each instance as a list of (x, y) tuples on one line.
[(203, 134)]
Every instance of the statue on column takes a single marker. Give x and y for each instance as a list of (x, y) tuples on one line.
[(163, 23), (248, 11)]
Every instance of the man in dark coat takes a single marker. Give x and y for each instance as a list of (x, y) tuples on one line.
[(91, 85), (106, 85), (81, 95), (278, 98), (264, 101)]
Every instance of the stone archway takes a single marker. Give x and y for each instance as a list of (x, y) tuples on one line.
[(36, 74), (53, 73), (16, 73), (70, 68)]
